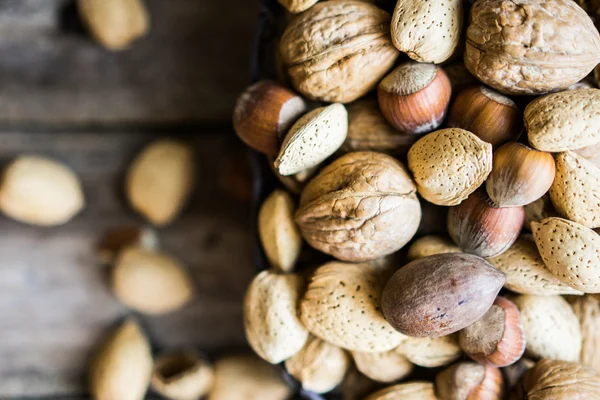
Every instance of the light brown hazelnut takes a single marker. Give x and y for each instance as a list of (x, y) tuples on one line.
[(469, 381), (478, 227), (497, 339), (414, 97), (264, 113), (520, 175), (491, 116)]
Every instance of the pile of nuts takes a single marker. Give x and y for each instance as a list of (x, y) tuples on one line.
[(385, 130)]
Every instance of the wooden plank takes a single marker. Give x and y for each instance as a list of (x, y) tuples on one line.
[(54, 299), (189, 69)]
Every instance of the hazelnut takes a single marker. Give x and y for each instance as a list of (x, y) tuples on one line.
[(264, 113), (520, 175), (497, 339), (478, 227), (490, 115), (469, 381), (414, 97)]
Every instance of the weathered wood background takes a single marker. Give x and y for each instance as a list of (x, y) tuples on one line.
[(63, 96)]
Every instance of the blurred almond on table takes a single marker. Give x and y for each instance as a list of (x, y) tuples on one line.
[(182, 376)]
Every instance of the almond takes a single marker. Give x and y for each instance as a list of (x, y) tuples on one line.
[(430, 245), (450, 164), (440, 294), (278, 232), (271, 321), (430, 352), (313, 138), (526, 272), (587, 310), (551, 328), (386, 366), (427, 31), (406, 391), (122, 366), (570, 251), (150, 282), (39, 191), (319, 366), (575, 191), (182, 376), (341, 306), (564, 121), (160, 180)]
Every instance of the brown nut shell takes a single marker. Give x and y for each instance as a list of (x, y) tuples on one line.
[(520, 175), (469, 381), (361, 207), (530, 47), (480, 228), (414, 97), (448, 165), (338, 50), (264, 113), (498, 338), (491, 116), (440, 294)]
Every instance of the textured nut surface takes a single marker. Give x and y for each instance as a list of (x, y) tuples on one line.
[(406, 391), (575, 191), (590, 153), (570, 251), (530, 46), (278, 232), (560, 380), (271, 321), (361, 207), (369, 131), (468, 380), (440, 294), (551, 328), (386, 366), (587, 310), (247, 377), (150, 282), (526, 272), (564, 121), (428, 31), (122, 366), (182, 376), (114, 23), (338, 50), (313, 138), (430, 352), (40, 191), (430, 245), (341, 306), (449, 164), (538, 210), (297, 6), (319, 366), (160, 179)]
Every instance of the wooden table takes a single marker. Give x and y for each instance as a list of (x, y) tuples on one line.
[(63, 96)]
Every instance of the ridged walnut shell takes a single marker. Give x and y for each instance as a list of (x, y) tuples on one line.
[(530, 46), (450, 164), (338, 50), (361, 207), (560, 380), (441, 294)]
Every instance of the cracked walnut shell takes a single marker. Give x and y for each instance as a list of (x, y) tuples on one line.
[(338, 50), (361, 207)]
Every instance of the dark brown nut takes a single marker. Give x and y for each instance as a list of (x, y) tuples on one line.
[(264, 113), (493, 117), (338, 50), (361, 207), (414, 97), (497, 339), (560, 380), (478, 227), (520, 175), (369, 131), (530, 47), (440, 294), (469, 381), (459, 76)]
